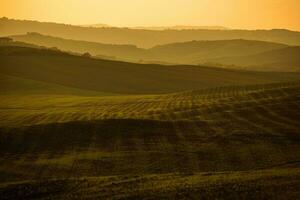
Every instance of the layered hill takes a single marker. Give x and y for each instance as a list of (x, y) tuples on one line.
[(111, 51), (196, 52), (286, 59), (80, 72), (142, 38), (230, 53)]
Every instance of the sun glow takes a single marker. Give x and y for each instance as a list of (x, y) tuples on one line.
[(244, 14)]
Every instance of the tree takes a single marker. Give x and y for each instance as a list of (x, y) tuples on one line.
[(87, 55), (5, 39)]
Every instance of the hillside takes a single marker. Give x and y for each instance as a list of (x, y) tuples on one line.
[(189, 105), (121, 52), (142, 38), (8, 41), (258, 184), (11, 85), (105, 76), (193, 52), (196, 52), (234, 142), (286, 59), (75, 127)]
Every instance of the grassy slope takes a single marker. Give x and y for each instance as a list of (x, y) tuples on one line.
[(156, 138), (121, 77), (196, 52), (188, 126), (252, 55), (277, 183), (193, 52), (11, 85), (177, 106), (286, 59), (61, 142), (122, 52), (142, 38)]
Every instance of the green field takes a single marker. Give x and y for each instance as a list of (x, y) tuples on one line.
[(226, 142), (276, 183), (73, 127)]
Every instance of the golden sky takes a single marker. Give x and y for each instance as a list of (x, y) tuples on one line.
[(245, 14)]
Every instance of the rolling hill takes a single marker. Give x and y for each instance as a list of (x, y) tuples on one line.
[(142, 38), (121, 52), (285, 59), (232, 142), (11, 85), (105, 76), (194, 52), (224, 185), (75, 127)]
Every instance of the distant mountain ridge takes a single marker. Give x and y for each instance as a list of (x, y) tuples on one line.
[(142, 38)]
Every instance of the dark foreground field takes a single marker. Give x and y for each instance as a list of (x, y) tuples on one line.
[(233, 142), (277, 183)]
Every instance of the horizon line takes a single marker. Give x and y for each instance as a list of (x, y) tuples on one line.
[(138, 27)]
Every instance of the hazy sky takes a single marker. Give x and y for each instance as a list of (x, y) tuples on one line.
[(249, 14)]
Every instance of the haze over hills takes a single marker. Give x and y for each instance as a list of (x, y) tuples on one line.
[(195, 52), (218, 53), (142, 38), (121, 77), (286, 59), (113, 51)]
